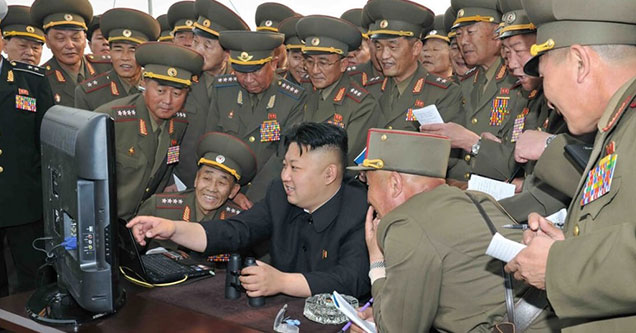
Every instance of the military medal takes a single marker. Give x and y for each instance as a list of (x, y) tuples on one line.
[(520, 122), (599, 179), (499, 110), (173, 154), (270, 129), (231, 114), (337, 120), (419, 103), (25, 103), (409, 115), (23, 91)]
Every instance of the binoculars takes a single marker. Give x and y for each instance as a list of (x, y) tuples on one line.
[(233, 286)]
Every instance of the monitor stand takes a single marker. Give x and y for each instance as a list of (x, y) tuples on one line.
[(52, 305)]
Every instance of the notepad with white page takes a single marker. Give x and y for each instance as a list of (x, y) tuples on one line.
[(351, 313)]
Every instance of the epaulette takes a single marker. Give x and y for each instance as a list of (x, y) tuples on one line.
[(181, 117), (374, 80), (438, 81), (292, 90), (227, 80), (169, 201), (103, 59), (228, 210), (629, 102), (352, 70), (470, 73), (356, 93), (501, 72), (305, 79), (96, 82), (124, 112), (28, 68)]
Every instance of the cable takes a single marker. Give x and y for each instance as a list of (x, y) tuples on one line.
[(40, 249), (141, 282)]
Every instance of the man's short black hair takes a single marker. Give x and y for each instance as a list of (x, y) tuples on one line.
[(318, 135)]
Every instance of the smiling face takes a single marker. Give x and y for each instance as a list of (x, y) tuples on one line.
[(516, 50), (325, 69), (67, 46), (398, 56), (296, 65), (123, 59), (213, 188), (163, 101), (478, 43)]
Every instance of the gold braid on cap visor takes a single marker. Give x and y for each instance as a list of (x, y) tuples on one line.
[(515, 27), (475, 18), (206, 29), (374, 163), (267, 29), (25, 34), (538, 48), (231, 171), (130, 39), (56, 23), (306, 48), (166, 78), (251, 62), (391, 32)]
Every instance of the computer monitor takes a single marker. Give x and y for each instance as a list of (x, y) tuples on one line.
[(80, 216)]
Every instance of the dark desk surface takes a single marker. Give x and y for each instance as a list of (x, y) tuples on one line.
[(197, 306)]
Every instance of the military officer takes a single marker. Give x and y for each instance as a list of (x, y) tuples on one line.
[(296, 72), (396, 29), (213, 17), (181, 18), (125, 29), (96, 40), (436, 51), (336, 97), (487, 102), (166, 33), (597, 60), (25, 96), (268, 18), (252, 104), (361, 55), (428, 266), (225, 164), (149, 125), (64, 24), (460, 69), (22, 40)]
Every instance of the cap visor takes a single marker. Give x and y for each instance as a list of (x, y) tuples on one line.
[(246, 68), (360, 168), (532, 66)]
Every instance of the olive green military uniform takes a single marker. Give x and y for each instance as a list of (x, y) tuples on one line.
[(437, 275), (368, 77), (219, 18), (181, 16), (292, 44), (258, 119), (166, 32), (119, 25)]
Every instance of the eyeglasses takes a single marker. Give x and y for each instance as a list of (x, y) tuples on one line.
[(322, 64)]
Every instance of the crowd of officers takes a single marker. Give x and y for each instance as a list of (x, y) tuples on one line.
[(539, 94)]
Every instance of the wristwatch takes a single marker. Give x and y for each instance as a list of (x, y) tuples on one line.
[(474, 150), (549, 139)]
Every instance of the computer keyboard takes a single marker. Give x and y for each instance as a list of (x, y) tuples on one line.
[(163, 269)]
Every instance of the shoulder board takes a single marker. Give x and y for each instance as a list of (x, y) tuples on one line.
[(629, 102), (28, 68), (124, 112), (292, 90), (438, 81), (501, 72), (305, 79), (352, 70), (227, 80), (356, 92), (374, 80), (470, 73), (104, 59), (170, 200), (96, 82), (181, 117)]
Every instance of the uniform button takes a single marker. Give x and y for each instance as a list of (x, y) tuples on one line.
[(147, 189), (0, 151), (249, 183), (474, 121), (1, 169), (576, 230), (252, 139), (467, 175), (463, 101), (467, 158), (390, 127)]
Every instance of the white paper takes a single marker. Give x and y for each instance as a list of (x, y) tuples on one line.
[(558, 218), (180, 185), (352, 314), (503, 248), (498, 190), (428, 115)]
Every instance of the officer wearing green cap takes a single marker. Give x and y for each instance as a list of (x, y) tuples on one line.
[(460, 69), (149, 125), (96, 40), (336, 98), (252, 104), (125, 29), (427, 241), (25, 96), (225, 164), (395, 29), (590, 48), (213, 17), (181, 18), (22, 40), (487, 103), (436, 51), (269, 15), (295, 72), (166, 32), (64, 24)]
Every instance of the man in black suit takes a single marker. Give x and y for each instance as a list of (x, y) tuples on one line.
[(314, 220)]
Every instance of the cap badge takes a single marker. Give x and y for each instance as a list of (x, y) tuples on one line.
[(30, 29), (384, 24), (172, 71), (206, 23), (315, 41), (460, 13), (126, 33), (510, 18), (220, 159), (68, 17), (268, 23), (245, 56), (188, 22)]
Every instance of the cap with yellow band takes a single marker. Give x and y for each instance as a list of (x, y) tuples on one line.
[(213, 17), (474, 11), (514, 21), (18, 24), (354, 16), (391, 19), (325, 34), (62, 14), (168, 63), (269, 15), (439, 30), (166, 32), (406, 152), (129, 26), (449, 18), (288, 28), (181, 16), (563, 23), (227, 153), (250, 50)]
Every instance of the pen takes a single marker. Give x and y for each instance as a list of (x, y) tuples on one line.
[(516, 226), (366, 305)]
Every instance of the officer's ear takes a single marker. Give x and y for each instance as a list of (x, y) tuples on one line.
[(235, 189), (395, 184), (344, 63), (583, 58), (417, 47)]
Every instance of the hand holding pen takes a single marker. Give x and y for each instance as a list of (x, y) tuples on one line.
[(366, 306)]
